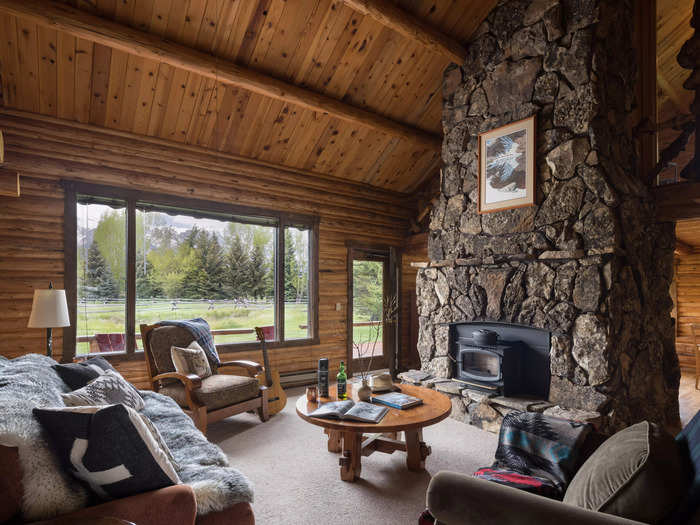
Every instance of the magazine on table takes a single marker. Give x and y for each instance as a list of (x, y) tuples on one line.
[(397, 400), (349, 410)]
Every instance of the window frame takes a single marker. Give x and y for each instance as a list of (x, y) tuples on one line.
[(281, 220)]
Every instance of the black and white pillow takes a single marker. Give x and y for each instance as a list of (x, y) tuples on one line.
[(77, 375), (108, 389), (110, 448)]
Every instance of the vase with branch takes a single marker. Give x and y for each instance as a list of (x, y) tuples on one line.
[(365, 345)]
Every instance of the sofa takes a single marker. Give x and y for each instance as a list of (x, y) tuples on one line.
[(637, 473), (35, 488)]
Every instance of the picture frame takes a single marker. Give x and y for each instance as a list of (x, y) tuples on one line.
[(507, 167)]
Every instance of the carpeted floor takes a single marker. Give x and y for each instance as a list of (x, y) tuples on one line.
[(297, 480)]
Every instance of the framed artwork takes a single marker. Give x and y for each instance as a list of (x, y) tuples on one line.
[(507, 167)]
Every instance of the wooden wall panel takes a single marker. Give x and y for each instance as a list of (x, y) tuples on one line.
[(688, 307), (47, 150), (415, 250)]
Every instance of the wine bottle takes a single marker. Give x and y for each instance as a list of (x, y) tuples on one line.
[(342, 382)]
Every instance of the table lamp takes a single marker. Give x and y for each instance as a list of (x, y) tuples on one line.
[(49, 310)]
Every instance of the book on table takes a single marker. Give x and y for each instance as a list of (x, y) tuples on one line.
[(349, 410), (397, 400)]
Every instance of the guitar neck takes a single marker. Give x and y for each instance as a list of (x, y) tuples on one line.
[(266, 364)]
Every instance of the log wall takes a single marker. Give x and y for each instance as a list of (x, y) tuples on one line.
[(687, 284), (45, 151)]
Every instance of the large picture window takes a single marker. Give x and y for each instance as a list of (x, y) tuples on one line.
[(139, 259)]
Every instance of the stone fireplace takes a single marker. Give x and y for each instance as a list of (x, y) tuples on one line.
[(588, 263)]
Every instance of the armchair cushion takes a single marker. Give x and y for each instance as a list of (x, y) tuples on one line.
[(161, 340), (217, 391), (191, 360)]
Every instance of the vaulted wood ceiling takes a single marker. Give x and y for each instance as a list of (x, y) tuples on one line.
[(673, 30), (324, 46)]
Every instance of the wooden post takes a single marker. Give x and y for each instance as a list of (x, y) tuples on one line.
[(350, 463)]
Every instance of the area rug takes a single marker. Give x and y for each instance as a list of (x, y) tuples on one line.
[(297, 480)]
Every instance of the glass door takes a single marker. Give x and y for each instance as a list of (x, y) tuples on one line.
[(369, 334)]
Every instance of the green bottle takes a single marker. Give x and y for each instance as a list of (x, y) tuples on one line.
[(342, 382)]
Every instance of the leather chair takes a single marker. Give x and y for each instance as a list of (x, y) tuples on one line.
[(204, 400)]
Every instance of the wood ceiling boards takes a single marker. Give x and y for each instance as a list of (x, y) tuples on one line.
[(320, 46)]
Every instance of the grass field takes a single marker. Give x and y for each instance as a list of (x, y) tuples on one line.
[(106, 318)]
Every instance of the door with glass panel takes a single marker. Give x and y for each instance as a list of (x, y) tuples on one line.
[(370, 323)]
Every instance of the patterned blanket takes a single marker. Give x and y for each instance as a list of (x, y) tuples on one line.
[(537, 453), (201, 332)]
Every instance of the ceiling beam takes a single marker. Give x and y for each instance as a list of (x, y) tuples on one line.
[(395, 18), (84, 25)]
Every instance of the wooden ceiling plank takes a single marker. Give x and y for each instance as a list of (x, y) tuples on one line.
[(146, 45), (28, 95), (352, 60), (160, 99), (315, 17), (277, 119), (199, 117), (321, 143), (83, 79), (142, 14), (123, 11), (267, 34), (318, 56), (288, 36), (46, 52), (65, 76), (334, 149), (187, 114), (252, 32), (101, 58), (264, 116), (231, 106), (117, 83), (306, 137), (222, 30), (159, 17), (243, 15), (214, 14), (194, 18), (178, 85), (135, 72), (147, 92), (239, 117), (288, 135), (395, 18), (8, 55)]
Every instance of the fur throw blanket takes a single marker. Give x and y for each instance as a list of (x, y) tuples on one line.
[(29, 381)]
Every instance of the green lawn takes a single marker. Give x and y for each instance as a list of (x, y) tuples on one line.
[(95, 318)]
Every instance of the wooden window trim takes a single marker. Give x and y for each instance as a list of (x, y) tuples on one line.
[(132, 198)]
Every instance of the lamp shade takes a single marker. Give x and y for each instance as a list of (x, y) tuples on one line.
[(49, 309)]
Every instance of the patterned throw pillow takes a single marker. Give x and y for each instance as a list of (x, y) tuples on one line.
[(108, 389), (191, 360), (109, 448), (77, 375)]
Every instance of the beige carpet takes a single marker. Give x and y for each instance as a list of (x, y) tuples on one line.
[(297, 480)]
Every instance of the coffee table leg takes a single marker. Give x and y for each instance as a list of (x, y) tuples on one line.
[(335, 440), (416, 449), (350, 465)]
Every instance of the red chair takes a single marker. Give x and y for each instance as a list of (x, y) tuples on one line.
[(108, 343)]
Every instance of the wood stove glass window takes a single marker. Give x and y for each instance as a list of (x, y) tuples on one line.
[(481, 364)]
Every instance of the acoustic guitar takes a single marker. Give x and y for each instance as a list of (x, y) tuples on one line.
[(271, 379)]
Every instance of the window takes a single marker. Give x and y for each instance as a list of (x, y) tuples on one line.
[(142, 258)]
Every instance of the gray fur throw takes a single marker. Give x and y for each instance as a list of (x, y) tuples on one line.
[(29, 381)]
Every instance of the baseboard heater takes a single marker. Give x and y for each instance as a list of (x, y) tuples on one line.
[(298, 378)]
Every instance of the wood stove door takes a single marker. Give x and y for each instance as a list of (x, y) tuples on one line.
[(370, 337)]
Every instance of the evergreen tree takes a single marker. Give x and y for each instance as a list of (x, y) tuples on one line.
[(99, 279), (147, 286), (237, 277), (291, 268), (260, 275)]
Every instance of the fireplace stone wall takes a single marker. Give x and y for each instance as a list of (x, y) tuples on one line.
[(588, 262)]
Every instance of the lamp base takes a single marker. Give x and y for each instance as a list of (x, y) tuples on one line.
[(49, 342)]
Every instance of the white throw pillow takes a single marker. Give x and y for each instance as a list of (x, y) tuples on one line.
[(108, 389), (191, 360)]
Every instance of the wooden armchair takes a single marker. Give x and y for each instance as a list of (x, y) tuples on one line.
[(204, 400)]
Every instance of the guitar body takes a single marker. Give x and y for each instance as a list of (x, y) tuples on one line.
[(276, 392), (277, 398)]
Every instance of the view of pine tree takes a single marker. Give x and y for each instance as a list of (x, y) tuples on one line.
[(147, 287), (291, 268), (110, 235), (237, 271), (261, 282), (99, 281)]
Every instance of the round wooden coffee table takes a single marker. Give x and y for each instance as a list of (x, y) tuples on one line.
[(347, 436)]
